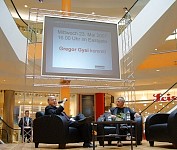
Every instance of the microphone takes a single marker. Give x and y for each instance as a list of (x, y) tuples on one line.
[(61, 101)]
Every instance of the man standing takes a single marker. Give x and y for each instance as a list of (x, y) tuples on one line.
[(80, 121), (25, 124), (127, 16)]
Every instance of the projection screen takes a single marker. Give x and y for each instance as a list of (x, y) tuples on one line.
[(80, 48)]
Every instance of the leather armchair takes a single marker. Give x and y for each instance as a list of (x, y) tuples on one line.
[(52, 129), (161, 127), (106, 130)]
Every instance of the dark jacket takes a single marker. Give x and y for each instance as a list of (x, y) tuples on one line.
[(53, 110), (115, 110), (21, 124)]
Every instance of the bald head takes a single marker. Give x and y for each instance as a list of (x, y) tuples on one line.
[(51, 97), (52, 101)]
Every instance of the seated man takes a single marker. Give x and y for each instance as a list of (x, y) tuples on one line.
[(80, 121), (120, 109)]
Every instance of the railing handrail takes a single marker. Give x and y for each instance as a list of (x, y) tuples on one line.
[(8, 125), (160, 96), (127, 11), (165, 105)]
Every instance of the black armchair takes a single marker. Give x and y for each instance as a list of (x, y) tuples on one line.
[(112, 130), (53, 130), (162, 127)]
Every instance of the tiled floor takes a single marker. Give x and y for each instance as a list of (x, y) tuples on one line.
[(78, 146)]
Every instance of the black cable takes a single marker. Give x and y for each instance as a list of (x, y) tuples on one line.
[(7, 124), (21, 17), (128, 11), (18, 13), (165, 105), (160, 96)]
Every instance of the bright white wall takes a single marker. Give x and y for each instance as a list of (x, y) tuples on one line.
[(15, 38)]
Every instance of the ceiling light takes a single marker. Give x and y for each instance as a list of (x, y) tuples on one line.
[(93, 13), (155, 49), (155, 107), (25, 6), (144, 98), (157, 70)]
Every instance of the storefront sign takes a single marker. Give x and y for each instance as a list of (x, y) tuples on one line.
[(168, 97)]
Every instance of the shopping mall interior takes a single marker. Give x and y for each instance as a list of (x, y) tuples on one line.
[(146, 65)]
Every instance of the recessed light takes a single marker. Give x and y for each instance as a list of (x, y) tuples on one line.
[(155, 49), (25, 6), (93, 13), (157, 70)]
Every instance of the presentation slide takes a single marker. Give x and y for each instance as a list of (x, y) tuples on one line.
[(80, 48), (81, 45)]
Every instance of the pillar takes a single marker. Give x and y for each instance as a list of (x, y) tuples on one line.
[(65, 93), (66, 6), (65, 90), (100, 104), (8, 113)]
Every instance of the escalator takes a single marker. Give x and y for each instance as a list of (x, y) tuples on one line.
[(145, 30), (166, 102)]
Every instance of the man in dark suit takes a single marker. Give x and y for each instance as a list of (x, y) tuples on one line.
[(80, 121), (25, 124)]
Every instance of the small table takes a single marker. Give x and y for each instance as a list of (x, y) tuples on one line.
[(117, 123)]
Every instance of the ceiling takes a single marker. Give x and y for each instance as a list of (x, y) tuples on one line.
[(146, 75)]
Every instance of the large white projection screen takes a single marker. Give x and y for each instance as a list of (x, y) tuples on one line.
[(80, 48)]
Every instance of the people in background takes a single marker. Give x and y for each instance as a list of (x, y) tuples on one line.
[(25, 124), (127, 16), (80, 122), (121, 110)]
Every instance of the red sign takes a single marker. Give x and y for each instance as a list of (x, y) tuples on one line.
[(164, 98)]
